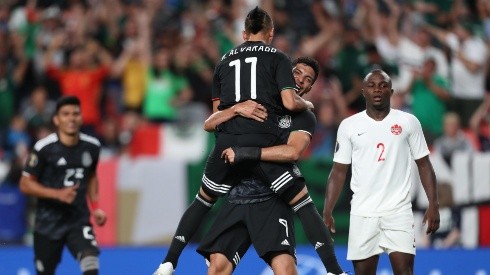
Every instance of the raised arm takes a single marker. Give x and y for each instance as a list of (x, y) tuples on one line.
[(335, 183), (428, 178)]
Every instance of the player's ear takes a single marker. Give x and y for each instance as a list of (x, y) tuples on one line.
[(56, 120), (245, 35)]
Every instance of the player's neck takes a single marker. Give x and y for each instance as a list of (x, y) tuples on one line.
[(68, 140), (376, 114), (257, 38)]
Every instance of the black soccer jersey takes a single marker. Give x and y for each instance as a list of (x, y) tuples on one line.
[(56, 165), (257, 71), (253, 190)]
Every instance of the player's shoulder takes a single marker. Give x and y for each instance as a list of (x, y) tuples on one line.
[(399, 114), (46, 141), (89, 140), (359, 117)]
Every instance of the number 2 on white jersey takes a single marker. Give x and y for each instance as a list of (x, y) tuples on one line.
[(253, 77), (382, 146)]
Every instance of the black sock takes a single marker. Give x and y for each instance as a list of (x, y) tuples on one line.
[(91, 272), (317, 233), (188, 225)]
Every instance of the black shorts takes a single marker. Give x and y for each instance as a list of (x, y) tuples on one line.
[(280, 175), (219, 176), (47, 251), (268, 225)]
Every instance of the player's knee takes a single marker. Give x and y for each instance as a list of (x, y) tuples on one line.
[(294, 192), (283, 263), (206, 196), (219, 264)]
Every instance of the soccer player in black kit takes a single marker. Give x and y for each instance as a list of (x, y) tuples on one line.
[(61, 173), (253, 70), (253, 213)]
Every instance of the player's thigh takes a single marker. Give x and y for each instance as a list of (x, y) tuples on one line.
[(218, 177), (364, 237), (81, 242), (47, 253), (402, 263), (283, 263), (271, 227), (398, 233), (227, 234)]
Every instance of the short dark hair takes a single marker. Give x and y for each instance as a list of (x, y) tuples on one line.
[(258, 20), (66, 100), (310, 62), (378, 70)]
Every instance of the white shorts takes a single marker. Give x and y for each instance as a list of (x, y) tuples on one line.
[(369, 236)]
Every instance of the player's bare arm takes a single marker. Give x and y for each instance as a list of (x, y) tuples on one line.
[(30, 186), (293, 102), (297, 143), (100, 216), (335, 183), (249, 109), (428, 178)]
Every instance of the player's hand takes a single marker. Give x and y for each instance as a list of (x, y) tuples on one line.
[(229, 155), (329, 222), (432, 219), (100, 217), (68, 194), (310, 105), (251, 109)]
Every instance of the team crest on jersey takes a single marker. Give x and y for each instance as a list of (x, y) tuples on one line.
[(296, 170), (285, 122), (396, 129), (86, 159), (33, 160)]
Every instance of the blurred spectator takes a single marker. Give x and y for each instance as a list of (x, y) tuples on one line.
[(480, 124), (166, 91), (453, 139), (134, 60), (468, 67), (37, 111), (429, 92), (88, 66), (449, 232), (109, 138), (17, 139)]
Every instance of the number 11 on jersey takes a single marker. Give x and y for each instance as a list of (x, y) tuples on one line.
[(253, 77)]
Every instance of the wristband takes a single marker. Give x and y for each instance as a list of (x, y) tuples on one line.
[(94, 205), (246, 153)]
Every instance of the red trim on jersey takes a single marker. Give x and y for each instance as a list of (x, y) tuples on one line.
[(214, 99)]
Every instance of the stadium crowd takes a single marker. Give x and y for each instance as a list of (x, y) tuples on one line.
[(134, 62)]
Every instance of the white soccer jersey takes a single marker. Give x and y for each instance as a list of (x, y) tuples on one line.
[(381, 154)]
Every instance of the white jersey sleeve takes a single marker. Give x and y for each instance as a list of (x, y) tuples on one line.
[(343, 145), (416, 139)]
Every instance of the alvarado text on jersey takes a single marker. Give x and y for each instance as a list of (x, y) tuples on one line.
[(249, 49)]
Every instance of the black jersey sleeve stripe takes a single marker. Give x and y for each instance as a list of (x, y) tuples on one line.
[(90, 139), (45, 141)]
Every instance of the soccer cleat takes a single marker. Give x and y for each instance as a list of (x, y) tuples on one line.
[(165, 269)]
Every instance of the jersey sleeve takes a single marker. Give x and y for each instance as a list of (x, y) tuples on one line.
[(216, 89), (343, 145), (35, 164), (284, 73), (416, 139), (305, 122)]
